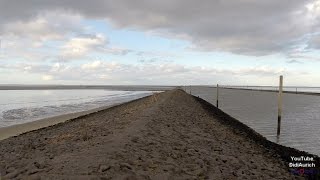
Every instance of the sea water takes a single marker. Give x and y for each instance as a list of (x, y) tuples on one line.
[(300, 125), (21, 106)]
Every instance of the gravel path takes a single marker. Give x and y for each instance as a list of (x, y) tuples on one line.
[(166, 136)]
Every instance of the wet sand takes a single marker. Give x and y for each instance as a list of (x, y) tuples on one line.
[(171, 135), (6, 132)]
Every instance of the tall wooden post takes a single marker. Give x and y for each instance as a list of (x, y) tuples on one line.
[(217, 95), (280, 104), (190, 90)]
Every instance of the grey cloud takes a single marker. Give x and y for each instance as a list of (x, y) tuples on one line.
[(43, 26), (305, 57), (237, 26), (293, 61), (314, 42)]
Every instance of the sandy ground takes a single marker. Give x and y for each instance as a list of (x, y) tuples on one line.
[(167, 136)]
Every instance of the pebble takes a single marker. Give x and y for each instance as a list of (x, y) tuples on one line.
[(126, 165), (37, 165), (135, 139), (223, 158), (191, 151), (104, 168), (33, 171), (11, 175), (174, 156), (10, 169)]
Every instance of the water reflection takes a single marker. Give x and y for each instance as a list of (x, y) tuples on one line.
[(300, 125)]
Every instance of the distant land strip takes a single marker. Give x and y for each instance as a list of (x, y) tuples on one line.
[(72, 87), (266, 90)]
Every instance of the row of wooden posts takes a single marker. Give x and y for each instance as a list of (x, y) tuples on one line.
[(279, 102)]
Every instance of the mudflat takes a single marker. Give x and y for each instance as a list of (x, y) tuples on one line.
[(169, 135), (15, 130)]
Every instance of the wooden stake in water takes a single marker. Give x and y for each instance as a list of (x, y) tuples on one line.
[(280, 104), (217, 95)]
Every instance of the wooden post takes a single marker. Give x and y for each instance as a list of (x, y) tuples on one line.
[(217, 95), (280, 104), (190, 90)]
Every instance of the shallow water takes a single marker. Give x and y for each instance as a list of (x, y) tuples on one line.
[(300, 127), (21, 106), (292, 89)]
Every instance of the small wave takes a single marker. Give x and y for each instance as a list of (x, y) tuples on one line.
[(27, 114), (21, 113)]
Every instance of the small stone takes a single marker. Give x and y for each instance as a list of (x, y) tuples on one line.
[(223, 158), (50, 155), (174, 156), (33, 171), (191, 151), (126, 165), (254, 166), (10, 169), (11, 175), (104, 168), (153, 166), (37, 165), (135, 139)]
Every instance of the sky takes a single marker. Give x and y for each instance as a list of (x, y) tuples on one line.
[(167, 42)]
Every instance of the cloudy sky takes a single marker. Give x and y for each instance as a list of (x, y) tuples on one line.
[(167, 42)]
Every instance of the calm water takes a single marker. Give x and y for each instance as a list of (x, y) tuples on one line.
[(300, 127), (293, 89), (20, 106)]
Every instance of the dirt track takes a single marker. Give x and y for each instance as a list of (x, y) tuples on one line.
[(168, 136)]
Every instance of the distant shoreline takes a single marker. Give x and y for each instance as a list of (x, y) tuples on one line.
[(73, 87), (265, 90)]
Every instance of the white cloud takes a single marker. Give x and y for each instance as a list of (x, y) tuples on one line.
[(34, 39), (99, 66), (83, 45), (80, 46), (47, 77), (171, 73), (115, 50), (92, 66), (106, 72)]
